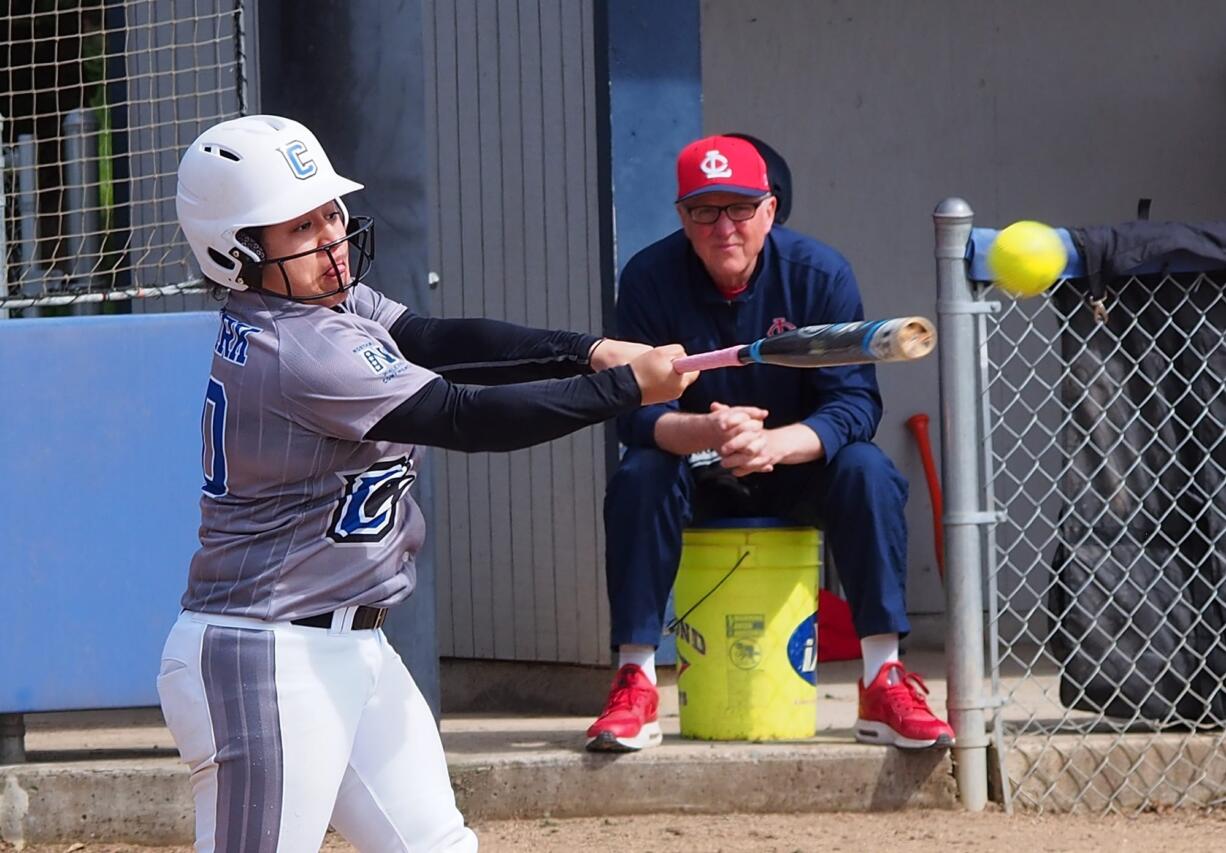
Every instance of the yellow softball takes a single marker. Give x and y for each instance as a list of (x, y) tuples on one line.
[(1026, 258)]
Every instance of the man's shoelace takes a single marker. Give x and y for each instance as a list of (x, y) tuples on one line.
[(909, 693), (624, 694)]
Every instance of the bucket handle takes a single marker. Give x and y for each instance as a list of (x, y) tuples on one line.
[(671, 626)]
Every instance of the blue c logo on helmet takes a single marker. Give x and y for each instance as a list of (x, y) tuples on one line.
[(302, 167)]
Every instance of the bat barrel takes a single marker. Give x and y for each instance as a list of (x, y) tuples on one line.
[(863, 342), (907, 338)]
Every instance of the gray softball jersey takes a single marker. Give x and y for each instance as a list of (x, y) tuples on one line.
[(299, 515)]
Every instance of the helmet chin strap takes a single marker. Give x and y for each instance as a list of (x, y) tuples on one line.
[(360, 236)]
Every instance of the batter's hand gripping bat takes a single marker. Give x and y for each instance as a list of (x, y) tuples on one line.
[(868, 341)]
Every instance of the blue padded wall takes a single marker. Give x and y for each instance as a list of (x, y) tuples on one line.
[(100, 465)]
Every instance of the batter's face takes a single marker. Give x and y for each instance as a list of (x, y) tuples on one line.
[(319, 272), (729, 250)]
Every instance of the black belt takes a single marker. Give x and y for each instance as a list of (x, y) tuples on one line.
[(364, 619)]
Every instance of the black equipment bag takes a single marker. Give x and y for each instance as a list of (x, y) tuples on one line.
[(1138, 601)]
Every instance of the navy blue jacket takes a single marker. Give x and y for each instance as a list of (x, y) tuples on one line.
[(666, 296)]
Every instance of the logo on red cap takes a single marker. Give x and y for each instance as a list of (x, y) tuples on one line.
[(715, 165), (720, 164)]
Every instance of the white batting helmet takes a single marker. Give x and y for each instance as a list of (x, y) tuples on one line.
[(248, 172)]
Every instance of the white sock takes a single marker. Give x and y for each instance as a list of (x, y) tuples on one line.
[(877, 650), (644, 656)]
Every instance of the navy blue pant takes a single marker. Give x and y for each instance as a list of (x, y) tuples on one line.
[(857, 500)]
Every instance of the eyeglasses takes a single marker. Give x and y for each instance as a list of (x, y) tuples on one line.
[(708, 214)]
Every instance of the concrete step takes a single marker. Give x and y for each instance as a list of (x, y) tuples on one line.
[(707, 778), (114, 776), (527, 768)]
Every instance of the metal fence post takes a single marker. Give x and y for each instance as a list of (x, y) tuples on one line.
[(4, 245), (12, 739), (82, 211), (27, 214), (960, 453)]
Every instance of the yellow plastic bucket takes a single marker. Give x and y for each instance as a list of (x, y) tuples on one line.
[(747, 654)]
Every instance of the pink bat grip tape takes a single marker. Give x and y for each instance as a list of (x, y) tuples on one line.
[(709, 360)]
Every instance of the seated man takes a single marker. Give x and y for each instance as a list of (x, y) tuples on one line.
[(789, 443)]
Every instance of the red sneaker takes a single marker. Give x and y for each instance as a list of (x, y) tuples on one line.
[(628, 721), (897, 713)]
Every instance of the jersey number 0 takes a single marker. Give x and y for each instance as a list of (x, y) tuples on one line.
[(213, 428), (367, 508)]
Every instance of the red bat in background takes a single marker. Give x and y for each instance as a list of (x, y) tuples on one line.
[(918, 424)]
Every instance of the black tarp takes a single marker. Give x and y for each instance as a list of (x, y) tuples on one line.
[(1138, 600)]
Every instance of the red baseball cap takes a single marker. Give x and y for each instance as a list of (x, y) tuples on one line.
[(721, 164)]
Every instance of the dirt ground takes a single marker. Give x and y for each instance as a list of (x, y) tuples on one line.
[(1175, 831)]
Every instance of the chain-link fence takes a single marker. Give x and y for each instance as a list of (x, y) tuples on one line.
[(1101, 534), (98, 99)]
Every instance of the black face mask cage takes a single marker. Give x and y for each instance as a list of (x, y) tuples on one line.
[(360, 238)]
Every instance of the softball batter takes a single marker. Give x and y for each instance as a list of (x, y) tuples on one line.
[(285, 699)]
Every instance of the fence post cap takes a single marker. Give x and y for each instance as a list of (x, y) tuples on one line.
[(953, 207)]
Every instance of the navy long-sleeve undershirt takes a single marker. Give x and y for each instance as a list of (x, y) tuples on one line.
[(478, 351), (514, 399)]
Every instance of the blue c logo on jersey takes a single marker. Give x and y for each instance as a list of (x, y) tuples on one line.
[(366, 510), (302, 167), (802, 649)]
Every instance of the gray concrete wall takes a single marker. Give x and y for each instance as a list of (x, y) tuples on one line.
[(1061, 111)]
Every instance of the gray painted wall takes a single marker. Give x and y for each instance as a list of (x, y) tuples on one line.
[(511, 127), (1061, 111)]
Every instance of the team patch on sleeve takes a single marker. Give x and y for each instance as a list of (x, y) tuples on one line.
[(232, 339), (379, 361)]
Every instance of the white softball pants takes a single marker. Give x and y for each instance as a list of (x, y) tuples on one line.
[(287, 728)]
